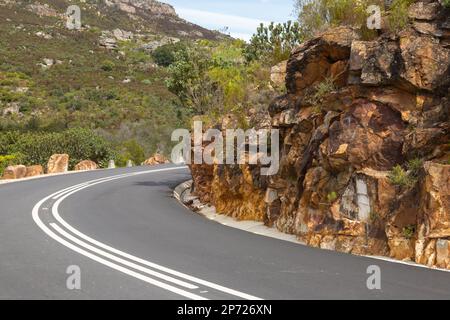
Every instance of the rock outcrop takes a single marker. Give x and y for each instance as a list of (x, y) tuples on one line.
[(353, 111), (58, 163), (14, 172), (155, 160), (151, 6), (86, 165)]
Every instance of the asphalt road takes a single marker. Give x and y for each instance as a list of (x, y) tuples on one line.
[(132, 240)]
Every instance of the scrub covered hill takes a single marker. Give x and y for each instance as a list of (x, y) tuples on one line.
[(101, 77)]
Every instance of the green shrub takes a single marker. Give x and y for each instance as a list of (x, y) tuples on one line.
[(446, 3), (38, 147), (131, 150), (409, 231), (399, 177), (108, 65), (273, 43), (398, 15), (164, 56), (188, 78), (318, 15), (414, 166), (332, 196), (320, 91)]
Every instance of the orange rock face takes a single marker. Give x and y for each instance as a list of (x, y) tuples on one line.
[(389, 104), (58, 163), (14, 172), (86, 165)]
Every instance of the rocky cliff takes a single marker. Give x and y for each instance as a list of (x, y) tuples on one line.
[(365, 145)]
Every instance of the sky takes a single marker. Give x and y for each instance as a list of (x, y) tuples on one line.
[(242, 17)]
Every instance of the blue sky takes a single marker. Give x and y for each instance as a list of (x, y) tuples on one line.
[(241, 16)]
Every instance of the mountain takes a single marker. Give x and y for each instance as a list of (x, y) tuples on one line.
[(146, 16), (100, 76)]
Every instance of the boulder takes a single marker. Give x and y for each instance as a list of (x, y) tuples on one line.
[(33, 171), (86, 165), (12, 108), (14, 172), (422, 10), (122, 35), (312, 61), (426, 62), (58, 163), (156, 159)]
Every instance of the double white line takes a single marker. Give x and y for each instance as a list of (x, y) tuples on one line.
[(128, 264)]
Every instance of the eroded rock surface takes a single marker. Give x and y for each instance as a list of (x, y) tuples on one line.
[(389, 104)]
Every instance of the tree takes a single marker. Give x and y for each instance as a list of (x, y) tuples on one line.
[(164, 56), (274, 42), (188, 78)]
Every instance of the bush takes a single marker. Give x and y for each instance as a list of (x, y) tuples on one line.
[(37, 148), (332, 196), (164, 56), (414, 166), (317, 15), (131, 150), (409, 231), (398, 16), (213, 79), (446, 3), (320, 91), (188, 79), (108, 65), (274, 42), (399, 177)]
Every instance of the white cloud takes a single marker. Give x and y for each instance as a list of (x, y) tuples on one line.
[(239, 27)]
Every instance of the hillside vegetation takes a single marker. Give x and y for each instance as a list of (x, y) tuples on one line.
[(53, 79)]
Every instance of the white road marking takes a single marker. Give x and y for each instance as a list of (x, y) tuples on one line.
[(122, 261), (63, 194)]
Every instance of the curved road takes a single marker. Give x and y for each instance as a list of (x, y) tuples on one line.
[(132, 240)]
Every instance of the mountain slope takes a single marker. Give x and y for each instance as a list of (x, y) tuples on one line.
[(100, 77)]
